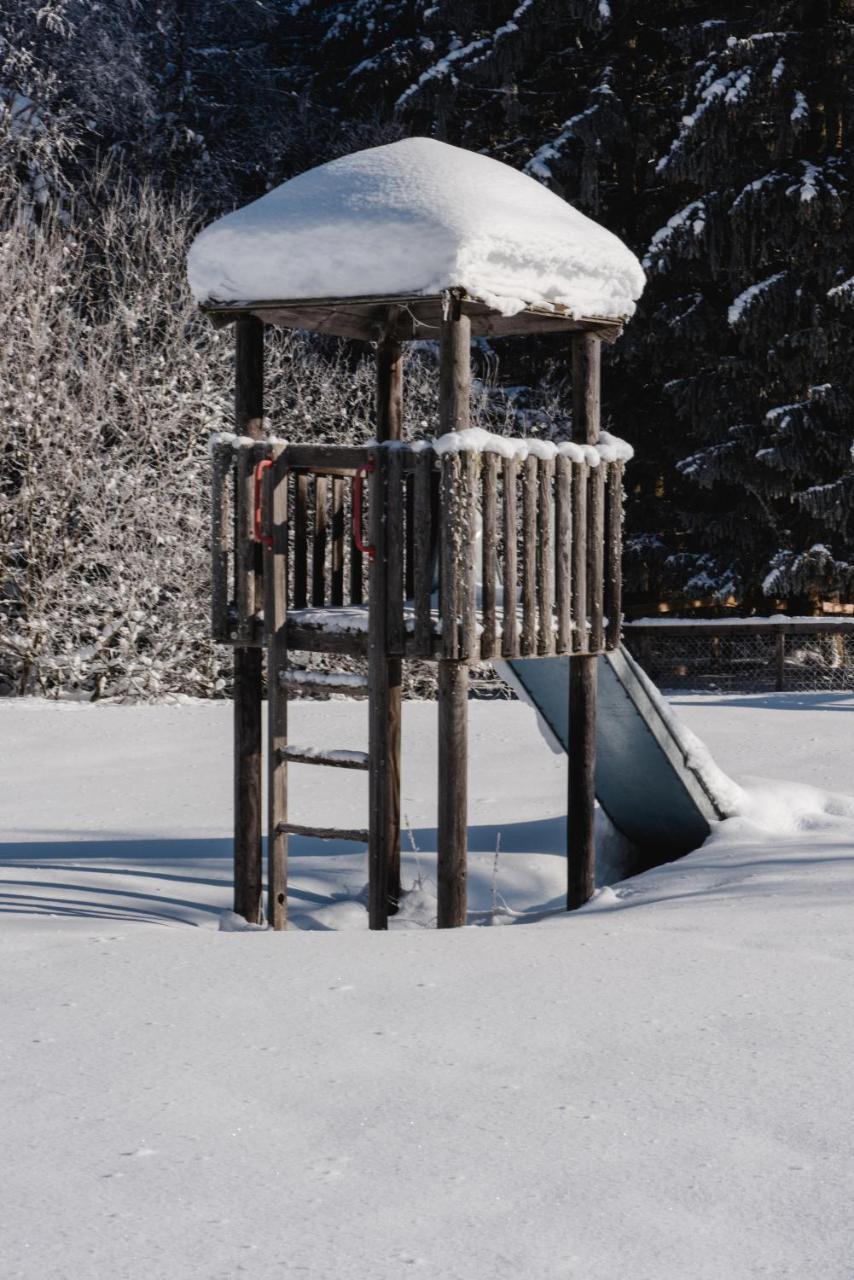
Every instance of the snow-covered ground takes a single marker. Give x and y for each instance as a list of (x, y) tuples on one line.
[(654, 1087)]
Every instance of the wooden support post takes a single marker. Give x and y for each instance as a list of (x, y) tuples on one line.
[(390, 427), (453, 793), (581, 843), (454, 410), (275, 625), (248, 421)]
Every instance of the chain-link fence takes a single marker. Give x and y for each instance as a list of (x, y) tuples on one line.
[(745, 657)]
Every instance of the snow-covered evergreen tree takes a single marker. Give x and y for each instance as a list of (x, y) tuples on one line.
[(749, 316)]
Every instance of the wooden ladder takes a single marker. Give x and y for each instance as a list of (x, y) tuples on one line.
[(304, 680)]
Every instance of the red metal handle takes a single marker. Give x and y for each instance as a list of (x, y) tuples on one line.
[(362, 546), (266, 539)]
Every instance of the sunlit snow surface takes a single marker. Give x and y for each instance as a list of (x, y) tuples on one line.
[(656, 1087), (416, 216)]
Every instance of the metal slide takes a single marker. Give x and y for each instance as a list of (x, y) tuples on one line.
[(647, 781)]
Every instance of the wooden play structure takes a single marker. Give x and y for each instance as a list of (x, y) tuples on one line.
[(406, 549)]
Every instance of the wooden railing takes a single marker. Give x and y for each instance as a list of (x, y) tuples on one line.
[(475, 555)]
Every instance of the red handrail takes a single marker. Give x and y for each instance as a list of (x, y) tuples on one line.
[(266, 539), (362, 546)]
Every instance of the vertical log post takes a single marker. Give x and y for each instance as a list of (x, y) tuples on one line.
[(454, 399), (581, 845), (379, 719), (248, 421), (390, 427), (275, 619)]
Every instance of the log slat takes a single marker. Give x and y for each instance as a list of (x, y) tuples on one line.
[(579, 557), (614, 557), (220, 472), (336, 593), (423, 551), (489, 536), (394, 500), (528, 641), (467, 497), (596, 558), (545, 559), (450, 536), (510, 626), (563, 552), (300, 541), (319, 540)]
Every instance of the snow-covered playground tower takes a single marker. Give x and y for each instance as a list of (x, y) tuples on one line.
[(476, 547)]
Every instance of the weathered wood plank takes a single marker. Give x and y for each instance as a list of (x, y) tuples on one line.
[(409, 558), (545, 559), (450, 554), (528, 640), (300, 541), (333, 458), (563, 552), (596, 558), (614, 556), (221, 468), (489, 547), (469, 638), (356, 571), (394, 540), (336, 577), (324, 833), (423, 552), (319, 541), (510, 626), (579, 557)]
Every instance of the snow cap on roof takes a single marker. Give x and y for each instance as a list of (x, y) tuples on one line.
[(416, 217)]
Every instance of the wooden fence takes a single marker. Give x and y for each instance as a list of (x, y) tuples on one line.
[(475, 555)]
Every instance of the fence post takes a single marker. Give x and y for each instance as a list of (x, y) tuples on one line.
[(780, 660)]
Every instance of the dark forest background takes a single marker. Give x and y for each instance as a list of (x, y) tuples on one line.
[(714, 138)]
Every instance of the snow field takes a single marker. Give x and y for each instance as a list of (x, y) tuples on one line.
[(654, 1087)]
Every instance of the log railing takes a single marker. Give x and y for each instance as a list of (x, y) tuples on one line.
[(478, 555)]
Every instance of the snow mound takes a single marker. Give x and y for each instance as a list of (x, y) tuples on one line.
[(416, 217)]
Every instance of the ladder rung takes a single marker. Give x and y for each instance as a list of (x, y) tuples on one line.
[(321, 833), (335, 759), (308, 680)]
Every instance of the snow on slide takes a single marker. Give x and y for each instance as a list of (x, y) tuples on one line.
[(416, 217), (655, 780)]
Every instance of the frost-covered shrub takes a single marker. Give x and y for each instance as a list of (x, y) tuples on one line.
[(111, 384)]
